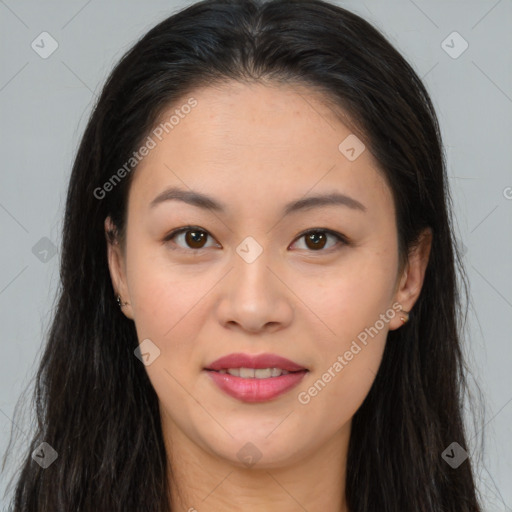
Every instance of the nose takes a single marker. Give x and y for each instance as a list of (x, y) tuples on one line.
[(255, 297)]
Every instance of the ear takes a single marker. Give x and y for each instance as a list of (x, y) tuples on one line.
[(117, 266), (411, 279)]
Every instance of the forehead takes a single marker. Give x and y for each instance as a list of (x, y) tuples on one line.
[(253, 142)]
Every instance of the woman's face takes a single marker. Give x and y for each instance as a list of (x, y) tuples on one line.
[(252, 277)]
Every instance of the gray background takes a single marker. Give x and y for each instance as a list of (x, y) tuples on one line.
[(45, 103)]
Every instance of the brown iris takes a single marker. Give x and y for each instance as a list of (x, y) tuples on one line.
[(317, 239), (193, 237)]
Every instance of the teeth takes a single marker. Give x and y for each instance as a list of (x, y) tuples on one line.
[(251, 373), (247, 373), (276, 372)]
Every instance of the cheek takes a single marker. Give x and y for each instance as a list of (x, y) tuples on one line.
[(346, 363), (329, 402), (350, 296), (352, 301), (166, 301)]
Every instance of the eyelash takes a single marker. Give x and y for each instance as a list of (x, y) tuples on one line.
[(340, 237)]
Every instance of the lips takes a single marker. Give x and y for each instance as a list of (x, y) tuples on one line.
[(247, 379), (256, 362)]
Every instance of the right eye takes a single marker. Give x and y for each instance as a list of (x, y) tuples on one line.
[(193, 236)]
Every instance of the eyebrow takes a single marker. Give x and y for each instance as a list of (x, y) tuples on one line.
[(209, 203)]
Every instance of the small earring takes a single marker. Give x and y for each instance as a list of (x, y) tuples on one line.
[(119, 303), (405, 318)]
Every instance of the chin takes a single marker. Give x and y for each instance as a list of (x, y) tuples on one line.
[(256, 449)]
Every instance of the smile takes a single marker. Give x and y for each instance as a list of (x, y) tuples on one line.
[(251, 378)]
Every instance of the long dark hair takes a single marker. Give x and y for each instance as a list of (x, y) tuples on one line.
[(94, 402)]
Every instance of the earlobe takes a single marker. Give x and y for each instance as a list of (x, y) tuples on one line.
[(412, 278), (117, 270)]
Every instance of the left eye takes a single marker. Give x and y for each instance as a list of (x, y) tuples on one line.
[(315, 239)]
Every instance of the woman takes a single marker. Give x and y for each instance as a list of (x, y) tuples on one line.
[(259, 301)]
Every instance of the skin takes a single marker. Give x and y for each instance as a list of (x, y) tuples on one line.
[(255, 148)]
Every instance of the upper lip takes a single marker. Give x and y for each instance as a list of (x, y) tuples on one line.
[(240, 360)]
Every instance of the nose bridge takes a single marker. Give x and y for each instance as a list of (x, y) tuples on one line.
[(252, 272), (255, 296)]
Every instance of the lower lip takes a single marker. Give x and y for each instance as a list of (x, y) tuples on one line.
[(256, 390)]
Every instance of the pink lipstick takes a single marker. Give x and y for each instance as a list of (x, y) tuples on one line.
[(258, 378)]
